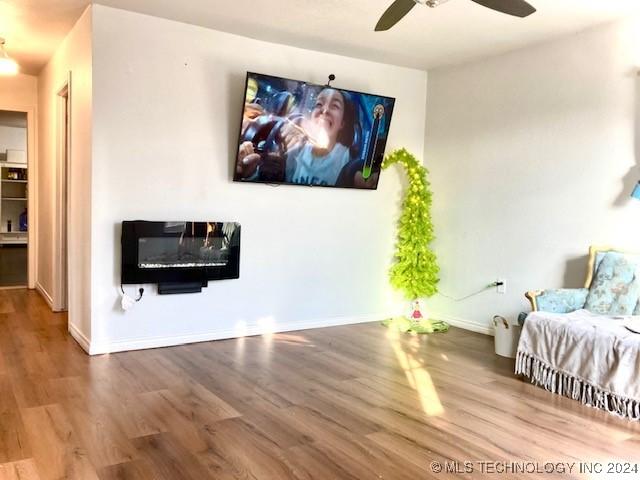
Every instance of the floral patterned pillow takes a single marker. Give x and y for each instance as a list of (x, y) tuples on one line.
[(615, 290)]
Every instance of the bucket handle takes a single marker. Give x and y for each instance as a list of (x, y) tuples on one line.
[(500, 318)]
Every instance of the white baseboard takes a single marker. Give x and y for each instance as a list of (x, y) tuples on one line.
[(464, 323), (45, 295), (97, 348), (79, 337)]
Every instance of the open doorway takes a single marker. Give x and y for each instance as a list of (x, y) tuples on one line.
[(14, 174)]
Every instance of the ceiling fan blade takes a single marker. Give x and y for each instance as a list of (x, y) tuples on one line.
[(517, 8), (394, 14)]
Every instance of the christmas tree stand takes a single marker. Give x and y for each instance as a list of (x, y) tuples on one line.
[(416, 323)]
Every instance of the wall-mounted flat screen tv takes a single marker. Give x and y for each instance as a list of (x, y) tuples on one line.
[(300, 133)]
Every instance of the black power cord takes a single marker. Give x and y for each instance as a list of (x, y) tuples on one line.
[(140, 292)]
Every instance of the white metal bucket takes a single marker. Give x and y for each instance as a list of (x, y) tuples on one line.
[(506, 337)]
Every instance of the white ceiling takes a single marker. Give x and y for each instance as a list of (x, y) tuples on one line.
[(454, 32)]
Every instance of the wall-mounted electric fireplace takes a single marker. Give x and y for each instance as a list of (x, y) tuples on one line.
[(180, 257)]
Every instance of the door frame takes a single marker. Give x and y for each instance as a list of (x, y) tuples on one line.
[(61, 224), (32, 187)]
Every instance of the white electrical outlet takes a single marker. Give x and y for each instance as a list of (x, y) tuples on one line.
[(501, 288)]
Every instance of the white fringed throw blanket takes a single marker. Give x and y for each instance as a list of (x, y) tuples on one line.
[(591, 358)]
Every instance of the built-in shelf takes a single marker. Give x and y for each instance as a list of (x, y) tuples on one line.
[(10, 180), (13, 165), (13, 238), (14, 198)]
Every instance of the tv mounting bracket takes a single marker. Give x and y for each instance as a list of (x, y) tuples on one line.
[(332, 77)]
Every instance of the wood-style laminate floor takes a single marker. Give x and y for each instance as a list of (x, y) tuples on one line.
[(350, 402)]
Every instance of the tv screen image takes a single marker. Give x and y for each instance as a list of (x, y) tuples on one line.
[(301, 133)]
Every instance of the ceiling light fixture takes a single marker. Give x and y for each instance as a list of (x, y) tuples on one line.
[(8, 66)]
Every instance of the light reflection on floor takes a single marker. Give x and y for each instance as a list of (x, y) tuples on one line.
[(417, 375), (268, 334)]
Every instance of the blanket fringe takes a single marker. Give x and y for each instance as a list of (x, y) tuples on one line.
[(576, 388)]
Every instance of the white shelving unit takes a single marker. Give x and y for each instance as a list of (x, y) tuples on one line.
[(13, 201)]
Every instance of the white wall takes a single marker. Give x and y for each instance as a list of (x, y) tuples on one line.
[(533, 156), (12, 138), (167, 101), (19, 90), (72, 57)]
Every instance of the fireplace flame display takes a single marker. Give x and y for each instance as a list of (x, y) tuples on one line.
[(175, 251), (204, 244)]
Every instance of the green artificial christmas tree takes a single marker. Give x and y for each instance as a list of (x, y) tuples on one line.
[(415, 269)]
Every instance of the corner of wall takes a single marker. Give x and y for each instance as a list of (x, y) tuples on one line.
[(71, 65), (504, 134)]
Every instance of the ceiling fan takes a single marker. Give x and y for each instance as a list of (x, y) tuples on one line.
[(399, 8)]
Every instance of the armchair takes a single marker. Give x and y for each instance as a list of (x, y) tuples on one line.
[(566, 300), (575, 343)]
